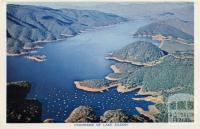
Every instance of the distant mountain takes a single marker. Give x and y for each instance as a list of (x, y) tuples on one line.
[(172, 27), (138, 10), (27, 25), (138, 52), (167, 14), (182, 11), (183, 25)]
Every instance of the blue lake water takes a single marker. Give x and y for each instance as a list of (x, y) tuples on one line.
[(78, 58)]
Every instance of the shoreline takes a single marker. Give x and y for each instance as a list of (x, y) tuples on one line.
[(150, 96), (122, 89), (154, 97), (12, 54), (62, 39), (131, 62), (115, 69), (152, 111), (111, 79), (38, 45), (149, 64), (119, 86), (82, 87)]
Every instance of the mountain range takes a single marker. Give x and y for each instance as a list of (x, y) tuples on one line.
[(28, 25)]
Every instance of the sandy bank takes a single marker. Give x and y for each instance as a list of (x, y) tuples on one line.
[(115, 69), (119, 86), (111, 78), (155, 97), (151, 113), (83, 86), (17, 54), (148, 64), (123, 89)]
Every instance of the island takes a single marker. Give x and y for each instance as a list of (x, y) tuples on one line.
[(37, 58)]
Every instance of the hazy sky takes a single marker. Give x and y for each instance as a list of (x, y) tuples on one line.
[(83, 5), (126, 9), (63, 4)]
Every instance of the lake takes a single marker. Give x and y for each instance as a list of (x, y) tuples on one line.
[(77, 58)]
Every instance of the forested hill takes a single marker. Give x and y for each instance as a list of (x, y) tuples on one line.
[(171, 27), (27, 25)]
